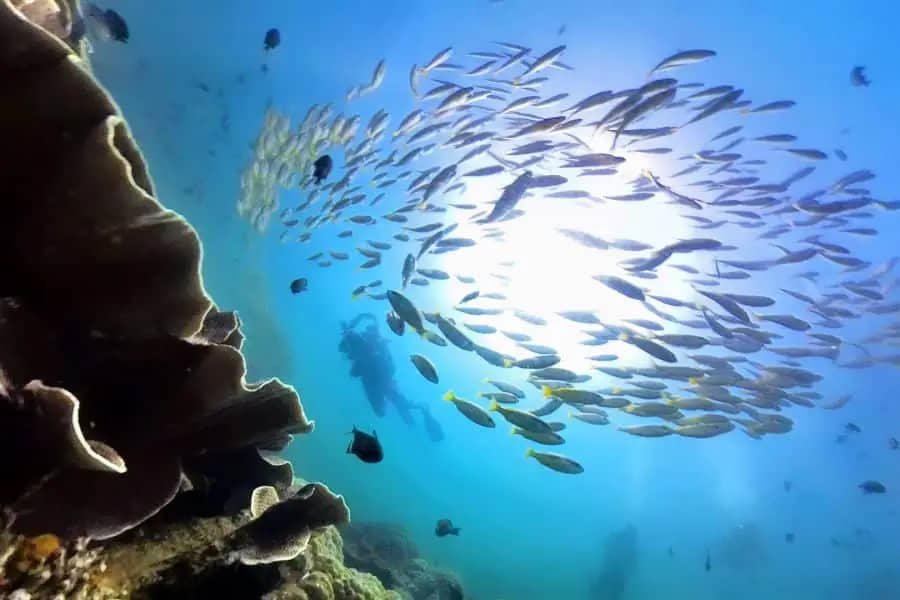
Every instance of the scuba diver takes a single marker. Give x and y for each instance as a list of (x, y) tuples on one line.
[(371, 363)]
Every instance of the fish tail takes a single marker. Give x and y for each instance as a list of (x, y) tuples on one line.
[(569, 414), (693, 380), (508, 363), (623, 337), (616, 391), (547, 391), (449, 396), (512, 431), (495, 406), (529, 452)]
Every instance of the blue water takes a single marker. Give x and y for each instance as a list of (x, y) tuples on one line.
[(528, 532)]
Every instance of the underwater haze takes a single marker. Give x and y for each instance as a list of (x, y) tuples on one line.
[(744, 505)]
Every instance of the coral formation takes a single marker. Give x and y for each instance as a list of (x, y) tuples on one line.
[(45, 567), (122, 389), (386, 551), (378, 548), (323, 576), (112, 383)]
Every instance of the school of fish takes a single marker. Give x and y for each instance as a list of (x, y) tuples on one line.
[(487, 115)]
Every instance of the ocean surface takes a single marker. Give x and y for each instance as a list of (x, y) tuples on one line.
[(668, 517)]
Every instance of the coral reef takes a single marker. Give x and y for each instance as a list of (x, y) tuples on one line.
[(386, 551), (111, 382), (378, 548), (322, 575), (189, 557), (134, 449), (45, 567)]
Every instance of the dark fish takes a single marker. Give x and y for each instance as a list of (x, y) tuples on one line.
[(858, 76), (789, 538), (272, 39), (445, 527), (872, 487), (299, 285), (708, 563), (893, 444), (322, 168), (853, 427), (110, 22), (366, 447), (788, 485)]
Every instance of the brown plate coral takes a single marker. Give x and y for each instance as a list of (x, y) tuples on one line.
[(122, 388)]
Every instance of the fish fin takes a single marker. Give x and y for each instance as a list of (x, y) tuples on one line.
[(547, 391), (495, 406), (449, 396)]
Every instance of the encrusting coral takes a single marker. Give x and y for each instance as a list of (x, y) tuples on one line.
[(386, 551)]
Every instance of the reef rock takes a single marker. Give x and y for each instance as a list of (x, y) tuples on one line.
[(205, 557), (386, 551), (117, 376)]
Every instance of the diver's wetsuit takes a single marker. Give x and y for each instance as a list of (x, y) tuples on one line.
[(372, 363)]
